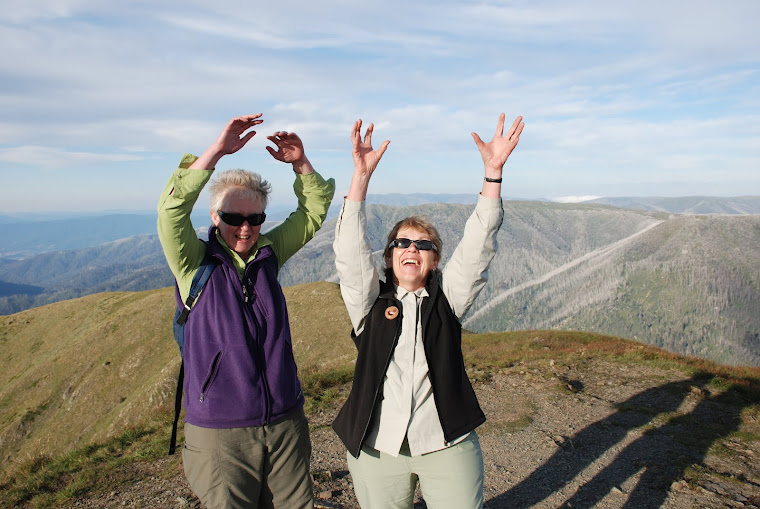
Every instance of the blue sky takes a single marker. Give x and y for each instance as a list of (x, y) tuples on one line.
[(99, 99)]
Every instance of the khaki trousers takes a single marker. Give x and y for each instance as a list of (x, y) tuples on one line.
[(255, 467), (451, 478)]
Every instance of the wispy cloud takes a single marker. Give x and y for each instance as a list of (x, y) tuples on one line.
[(47, 158)]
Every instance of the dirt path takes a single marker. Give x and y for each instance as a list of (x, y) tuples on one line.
[(601, 435)]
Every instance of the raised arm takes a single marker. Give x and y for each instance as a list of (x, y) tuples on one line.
[(465, 274), (359, 282), (314, 197), (495, 154), (365, 161)]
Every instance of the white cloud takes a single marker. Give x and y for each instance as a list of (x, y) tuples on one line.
[(574, 199), (51, 158)]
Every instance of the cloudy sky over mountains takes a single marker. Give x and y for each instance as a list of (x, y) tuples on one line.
[(100, 99)]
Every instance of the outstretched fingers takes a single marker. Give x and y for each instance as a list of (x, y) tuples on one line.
[(514, 131), (480, 144), (500, 126), (356, 133), (382, 148)]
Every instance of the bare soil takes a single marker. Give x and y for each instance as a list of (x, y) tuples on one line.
[(604, 435)]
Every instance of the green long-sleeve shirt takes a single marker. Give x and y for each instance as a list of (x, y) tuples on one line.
[(184, 251)]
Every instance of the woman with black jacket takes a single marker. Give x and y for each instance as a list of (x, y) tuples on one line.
[(412, 412)]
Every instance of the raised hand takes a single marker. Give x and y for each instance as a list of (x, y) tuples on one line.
[(289, 147), (229, 141), (365, 158), (290, 150), (496, 151)]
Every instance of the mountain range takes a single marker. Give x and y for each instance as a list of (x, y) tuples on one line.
[(689, 283)]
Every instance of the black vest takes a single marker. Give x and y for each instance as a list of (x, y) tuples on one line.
[(458, 408)]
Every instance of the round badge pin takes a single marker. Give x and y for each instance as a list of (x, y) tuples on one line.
[(391, 312)]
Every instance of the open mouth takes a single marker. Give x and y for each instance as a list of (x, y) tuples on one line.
[(410, 261)]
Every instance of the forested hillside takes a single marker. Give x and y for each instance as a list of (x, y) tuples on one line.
[(690, 285)]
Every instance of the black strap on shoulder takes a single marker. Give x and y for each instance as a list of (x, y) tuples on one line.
[(208, 264), (177, 407)]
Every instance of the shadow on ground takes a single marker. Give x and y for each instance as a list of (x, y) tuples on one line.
[(673, 441)]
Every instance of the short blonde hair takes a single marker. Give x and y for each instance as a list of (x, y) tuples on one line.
[(245, 183)]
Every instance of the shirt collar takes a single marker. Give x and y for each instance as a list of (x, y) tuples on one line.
[(237, 261), (403, 292)]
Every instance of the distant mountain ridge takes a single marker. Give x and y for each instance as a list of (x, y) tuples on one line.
[(741, 205), (24, 235), (689, 283)]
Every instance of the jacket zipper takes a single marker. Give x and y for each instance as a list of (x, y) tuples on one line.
[(212, 374), (249, 300)]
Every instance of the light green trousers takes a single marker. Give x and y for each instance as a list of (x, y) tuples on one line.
[(451, 478)]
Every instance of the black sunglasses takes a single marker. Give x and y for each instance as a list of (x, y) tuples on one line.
[(235, 219), (422, 245)]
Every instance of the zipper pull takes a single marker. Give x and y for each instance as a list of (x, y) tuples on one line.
[(250, 296)]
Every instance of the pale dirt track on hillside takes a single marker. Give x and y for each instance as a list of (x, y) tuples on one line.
[(601, 253), (601, 435)]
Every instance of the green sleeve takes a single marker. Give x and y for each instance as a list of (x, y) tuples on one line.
[(182, 248), (314, 195)]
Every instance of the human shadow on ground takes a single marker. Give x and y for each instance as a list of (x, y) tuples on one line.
[(672, 443)]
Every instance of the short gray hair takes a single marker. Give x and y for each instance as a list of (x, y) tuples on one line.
[(245, 183)]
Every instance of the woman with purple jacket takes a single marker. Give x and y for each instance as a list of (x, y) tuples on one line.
[(246, 436)]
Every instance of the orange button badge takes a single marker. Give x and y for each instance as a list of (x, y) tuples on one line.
[(391, 312)]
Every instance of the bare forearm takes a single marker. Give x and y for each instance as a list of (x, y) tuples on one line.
[(303, 166), (208, 160), (359, 186)]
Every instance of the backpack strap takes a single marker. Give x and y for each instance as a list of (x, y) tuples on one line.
[(208, 264), (177, 407)]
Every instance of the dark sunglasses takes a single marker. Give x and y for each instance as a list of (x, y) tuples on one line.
[(422, 245), (235, 219)]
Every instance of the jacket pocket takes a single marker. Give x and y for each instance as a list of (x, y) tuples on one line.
[(211, 375)]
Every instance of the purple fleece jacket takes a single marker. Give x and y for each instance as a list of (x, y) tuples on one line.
[(238, 354)]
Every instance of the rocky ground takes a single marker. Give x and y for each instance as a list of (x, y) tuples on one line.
[(602, 435)]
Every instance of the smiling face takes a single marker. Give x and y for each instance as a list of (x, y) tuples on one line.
[(410, 265), (240, 239)]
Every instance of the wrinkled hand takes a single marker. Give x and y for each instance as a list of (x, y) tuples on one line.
[(229, 141), (496, 152), (289, 147), (231, 138), (365, 157)]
